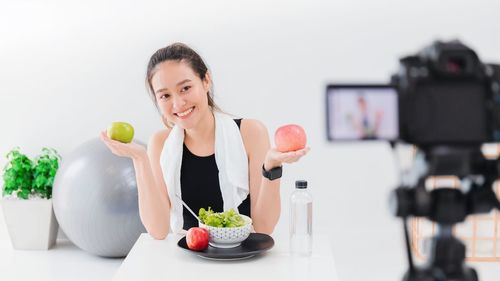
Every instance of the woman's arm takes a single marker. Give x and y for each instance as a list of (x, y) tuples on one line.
[(264, 193), (154, 205)]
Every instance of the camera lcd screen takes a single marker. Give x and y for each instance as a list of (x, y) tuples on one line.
[(362, 112)]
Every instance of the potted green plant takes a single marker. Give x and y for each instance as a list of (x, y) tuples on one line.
[(27, 199)]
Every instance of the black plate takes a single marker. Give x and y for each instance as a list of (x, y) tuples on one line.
[(255, 244)]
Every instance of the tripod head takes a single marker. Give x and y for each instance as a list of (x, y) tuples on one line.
[(447, 206)]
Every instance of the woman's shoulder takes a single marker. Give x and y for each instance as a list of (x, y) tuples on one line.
[(252, 126), (157, 140), (252, 129)]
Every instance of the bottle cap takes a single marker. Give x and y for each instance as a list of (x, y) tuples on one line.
[(301, 184)]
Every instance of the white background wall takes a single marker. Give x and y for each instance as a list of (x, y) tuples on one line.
[(68, 69)]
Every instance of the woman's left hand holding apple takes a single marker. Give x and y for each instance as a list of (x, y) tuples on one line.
[(275, 158)]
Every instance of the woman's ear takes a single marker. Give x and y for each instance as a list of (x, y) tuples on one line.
[(207, 82)]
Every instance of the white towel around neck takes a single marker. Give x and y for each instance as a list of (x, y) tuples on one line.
[(231, 159)]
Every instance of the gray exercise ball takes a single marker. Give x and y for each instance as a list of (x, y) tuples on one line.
[(95, 200)]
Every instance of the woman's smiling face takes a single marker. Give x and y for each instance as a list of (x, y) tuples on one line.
[(181, 95)]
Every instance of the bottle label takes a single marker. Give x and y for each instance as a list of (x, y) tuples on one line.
[(301, 228)]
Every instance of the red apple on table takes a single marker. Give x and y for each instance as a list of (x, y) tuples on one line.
[(197, 238), (290, 138)]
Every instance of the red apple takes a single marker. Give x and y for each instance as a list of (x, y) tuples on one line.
[(197, 238), (290, 138)]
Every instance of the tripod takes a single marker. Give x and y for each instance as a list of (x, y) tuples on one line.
[(446, 207)]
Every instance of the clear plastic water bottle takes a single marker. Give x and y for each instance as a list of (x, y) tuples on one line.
[(301, 220)]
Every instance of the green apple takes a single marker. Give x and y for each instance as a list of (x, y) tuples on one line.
[(121, 131)]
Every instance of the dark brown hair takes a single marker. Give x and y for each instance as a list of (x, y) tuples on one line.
[(181, 53)]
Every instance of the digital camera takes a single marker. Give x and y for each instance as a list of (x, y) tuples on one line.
[(443, 95)]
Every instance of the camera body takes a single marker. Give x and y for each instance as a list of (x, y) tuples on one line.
[(446, 96)]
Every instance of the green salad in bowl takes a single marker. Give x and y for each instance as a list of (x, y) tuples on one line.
[(226, 229), (225, 219)]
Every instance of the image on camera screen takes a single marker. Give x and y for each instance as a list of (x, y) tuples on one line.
[(362, 112)]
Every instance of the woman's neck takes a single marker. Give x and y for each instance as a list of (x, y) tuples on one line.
[(203, 133)]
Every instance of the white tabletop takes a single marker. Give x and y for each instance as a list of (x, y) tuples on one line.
[(64, 261), (152, 259)]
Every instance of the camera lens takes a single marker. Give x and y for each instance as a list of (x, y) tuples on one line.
[(455, 64)]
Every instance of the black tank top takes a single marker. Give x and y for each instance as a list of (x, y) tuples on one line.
[(200, 185)]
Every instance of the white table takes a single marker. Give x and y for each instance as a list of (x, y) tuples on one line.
[(163, 260), (63, 262)]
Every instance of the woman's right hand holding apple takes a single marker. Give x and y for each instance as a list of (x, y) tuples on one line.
[(131, 149)]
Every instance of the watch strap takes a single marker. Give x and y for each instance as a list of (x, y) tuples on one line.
[(274, 173)]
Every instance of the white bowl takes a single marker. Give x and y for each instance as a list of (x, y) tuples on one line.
[(228, 237)]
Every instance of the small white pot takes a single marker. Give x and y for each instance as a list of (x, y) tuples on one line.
[(31, 223)]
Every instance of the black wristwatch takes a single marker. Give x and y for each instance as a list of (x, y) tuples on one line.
[(274, 173)]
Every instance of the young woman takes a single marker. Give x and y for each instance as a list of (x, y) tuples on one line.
[(202, 155)]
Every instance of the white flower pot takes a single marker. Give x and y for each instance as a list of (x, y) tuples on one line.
[(31, 223)]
